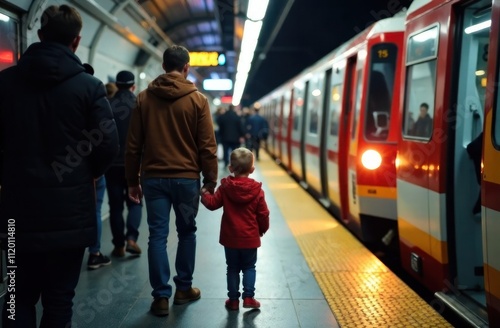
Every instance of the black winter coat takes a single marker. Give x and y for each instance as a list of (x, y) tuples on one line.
[(122, 104), (231, 128), (57, 134)]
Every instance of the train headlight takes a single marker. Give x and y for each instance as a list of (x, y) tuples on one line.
[(371, 159)]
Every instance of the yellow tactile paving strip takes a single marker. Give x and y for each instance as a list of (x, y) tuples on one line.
[(360, 290)]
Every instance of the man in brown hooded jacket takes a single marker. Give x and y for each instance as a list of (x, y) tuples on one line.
[(170, 141)]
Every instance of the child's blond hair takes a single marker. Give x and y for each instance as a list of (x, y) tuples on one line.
[(241, 161)]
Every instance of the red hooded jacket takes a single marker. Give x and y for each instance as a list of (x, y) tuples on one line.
[(245, 217)]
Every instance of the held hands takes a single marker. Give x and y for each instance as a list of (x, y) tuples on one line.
[(208, 188)]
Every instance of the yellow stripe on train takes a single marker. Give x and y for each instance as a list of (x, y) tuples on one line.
[(415, 237)]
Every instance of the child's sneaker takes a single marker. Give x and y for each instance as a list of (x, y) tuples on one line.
[(97, 261), (250, 302), (232, 304)]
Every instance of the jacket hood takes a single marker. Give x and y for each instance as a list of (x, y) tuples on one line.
[(171, 86), (241, 190), (49, 63)]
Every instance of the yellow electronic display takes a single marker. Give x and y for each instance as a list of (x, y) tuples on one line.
[(206, 58)]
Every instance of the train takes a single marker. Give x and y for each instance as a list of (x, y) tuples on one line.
[(383, 132)]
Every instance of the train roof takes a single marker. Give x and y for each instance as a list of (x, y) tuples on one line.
[(386, 25)]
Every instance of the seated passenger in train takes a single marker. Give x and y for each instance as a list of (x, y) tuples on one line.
[(423, 125)]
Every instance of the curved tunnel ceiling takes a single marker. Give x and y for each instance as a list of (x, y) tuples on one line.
[(199, 25)]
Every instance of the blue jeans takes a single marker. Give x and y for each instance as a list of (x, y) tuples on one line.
[(118, 197), (240, 259), (100, 188), (161, 195)]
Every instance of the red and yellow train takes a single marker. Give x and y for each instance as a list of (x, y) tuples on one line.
[(379, 129)]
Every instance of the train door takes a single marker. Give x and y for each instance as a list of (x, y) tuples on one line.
[(314, 115), (465, 238), (285, 141), (297, 128), (466, 251), (491, 177), (470, 93), (279, 145), (334, 105), (347, 141)]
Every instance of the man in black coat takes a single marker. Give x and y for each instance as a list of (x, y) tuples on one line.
[(57, 134), (231, 132)]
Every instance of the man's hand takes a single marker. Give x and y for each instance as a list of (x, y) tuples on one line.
[(208, 187), (135, 194)]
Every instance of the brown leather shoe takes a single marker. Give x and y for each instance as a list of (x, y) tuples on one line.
[(159, 307), (133, 248), (186, 296), (118, 252)]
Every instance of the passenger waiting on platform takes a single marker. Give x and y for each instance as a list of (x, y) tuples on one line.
[(232, 132), (58, 135), (111, 89), (258, 130), (170, 141), (96, 258), (123, 103), (245, 219), (215, 119)]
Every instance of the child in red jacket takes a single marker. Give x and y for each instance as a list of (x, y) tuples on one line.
[(245, 219)]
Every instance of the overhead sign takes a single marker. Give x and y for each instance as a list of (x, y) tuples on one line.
[(207, 58), (217, 84)]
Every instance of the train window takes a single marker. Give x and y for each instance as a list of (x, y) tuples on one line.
[(335, 100), (380, 88), (314, 102), (298, 106), (419, 104), (423, 45), (9, 41)]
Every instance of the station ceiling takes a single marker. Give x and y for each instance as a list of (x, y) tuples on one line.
[(295, 33)]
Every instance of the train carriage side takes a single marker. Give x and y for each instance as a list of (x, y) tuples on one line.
[(362, 128), (440, 233)]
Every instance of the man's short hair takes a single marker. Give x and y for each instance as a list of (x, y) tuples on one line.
[(241, 160), (175, 57), (61, 24), (425, 105)]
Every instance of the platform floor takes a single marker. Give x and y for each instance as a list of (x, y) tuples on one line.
[(311, 272)]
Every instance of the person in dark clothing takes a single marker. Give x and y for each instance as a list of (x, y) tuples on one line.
[(231, 131), (475, 151), (245, 219), (258, 130), (96, 258), (57, 134), (423, 125), (122, 103)]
